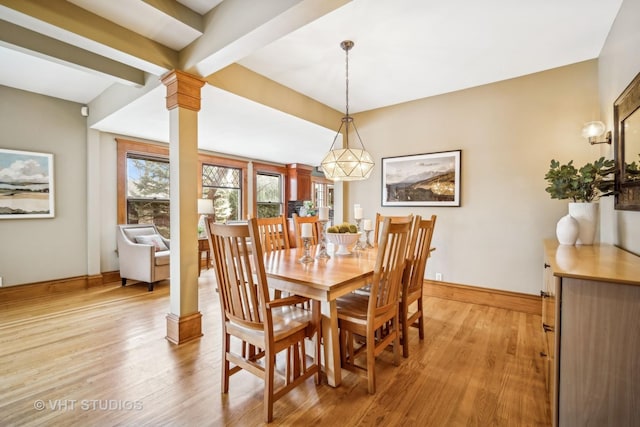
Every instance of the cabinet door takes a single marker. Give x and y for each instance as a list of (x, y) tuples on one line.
[(600, 342), (299, 182), (304, 187)]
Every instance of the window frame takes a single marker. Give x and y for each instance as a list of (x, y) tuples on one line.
[(149, 149), (268, 169)]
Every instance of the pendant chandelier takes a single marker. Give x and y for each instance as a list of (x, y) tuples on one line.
[(347, 164)]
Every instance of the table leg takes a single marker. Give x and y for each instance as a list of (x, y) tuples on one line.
[(331, 343)]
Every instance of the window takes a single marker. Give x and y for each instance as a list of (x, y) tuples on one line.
[(141, 164), (147, 191), (268, 195), (223, 185), (322, 193)]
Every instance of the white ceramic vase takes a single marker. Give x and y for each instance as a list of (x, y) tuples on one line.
[(567, 230), (587, 216)]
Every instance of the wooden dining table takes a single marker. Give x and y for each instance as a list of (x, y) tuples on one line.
[(323, 280)]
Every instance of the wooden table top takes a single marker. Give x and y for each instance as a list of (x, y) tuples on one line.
[(602, 262), (320, 279)]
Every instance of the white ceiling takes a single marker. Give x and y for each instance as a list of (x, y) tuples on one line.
[(404, 50)]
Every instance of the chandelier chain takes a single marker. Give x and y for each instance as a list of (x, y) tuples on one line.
[(347, 79)]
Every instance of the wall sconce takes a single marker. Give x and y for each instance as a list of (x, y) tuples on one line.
[(592, 130)]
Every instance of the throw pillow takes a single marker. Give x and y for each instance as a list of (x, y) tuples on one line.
[(153, 239)]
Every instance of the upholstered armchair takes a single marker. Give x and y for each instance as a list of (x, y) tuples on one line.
[(143, 253)]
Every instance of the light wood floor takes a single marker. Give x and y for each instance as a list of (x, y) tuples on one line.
[(99, 358)]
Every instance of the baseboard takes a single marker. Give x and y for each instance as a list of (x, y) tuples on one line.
[(526, 303), (50, 287)]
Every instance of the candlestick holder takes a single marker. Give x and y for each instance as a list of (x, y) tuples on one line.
[(322, 241), (367, 244), (359, 246), (306, 254)]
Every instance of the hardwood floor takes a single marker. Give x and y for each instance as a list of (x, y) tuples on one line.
[(99, 357)]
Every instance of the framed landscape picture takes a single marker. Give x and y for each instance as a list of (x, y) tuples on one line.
[(431, 179), (26, 185)]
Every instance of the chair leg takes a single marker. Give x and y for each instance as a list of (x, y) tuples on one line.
[(343, 347), (396, 343), (420, 319), (404, 313), (226, 344), (318, 360), (371, 363), (268, 386)]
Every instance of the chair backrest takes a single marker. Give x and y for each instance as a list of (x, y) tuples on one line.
[(389, 267), (273, 232), (418, 253), (131, 231), (239, 267), (141, 233), (380, 218), (298, 221)]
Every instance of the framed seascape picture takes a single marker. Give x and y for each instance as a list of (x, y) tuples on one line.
[(26, 185), (431, 179)]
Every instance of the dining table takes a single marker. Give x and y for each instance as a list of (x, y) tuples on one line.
[(323, 280)]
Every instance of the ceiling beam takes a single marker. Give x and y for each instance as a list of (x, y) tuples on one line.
[(179, 12), (18, 38), (243, 82), (71, 24), (236, 28)]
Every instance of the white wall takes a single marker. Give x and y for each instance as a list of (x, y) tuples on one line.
[(618, 64), (108, 202), (34, 250), (508, 133)]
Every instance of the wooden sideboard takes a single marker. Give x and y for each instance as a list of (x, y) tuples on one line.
[(591, 324)]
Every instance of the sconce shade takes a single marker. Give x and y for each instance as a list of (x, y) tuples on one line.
[(593, 129), (205, 206)]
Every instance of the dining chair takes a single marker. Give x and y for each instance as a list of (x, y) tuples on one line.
[(413, 279), (298, 221), (249, 314), (274, 233), (380, 218), (361, 317)]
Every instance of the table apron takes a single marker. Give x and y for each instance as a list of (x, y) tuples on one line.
[(314, 293)]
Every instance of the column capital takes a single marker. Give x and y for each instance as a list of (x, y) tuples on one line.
[(183, 90)]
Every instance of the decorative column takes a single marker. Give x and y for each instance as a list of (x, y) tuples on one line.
[(184, 321)]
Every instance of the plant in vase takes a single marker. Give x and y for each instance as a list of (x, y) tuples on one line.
[(584, 187), (310, 207)]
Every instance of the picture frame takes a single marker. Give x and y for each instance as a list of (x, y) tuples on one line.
[(26, 185), (430, 179)]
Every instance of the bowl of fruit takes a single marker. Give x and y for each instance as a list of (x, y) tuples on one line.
[(343, 235)]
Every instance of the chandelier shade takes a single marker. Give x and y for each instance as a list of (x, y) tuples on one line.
[(347, 163)]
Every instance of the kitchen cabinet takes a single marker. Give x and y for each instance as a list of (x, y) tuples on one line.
[(299, 181), (591, 325)]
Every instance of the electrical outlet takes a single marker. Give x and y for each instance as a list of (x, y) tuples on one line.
[(439, 277)]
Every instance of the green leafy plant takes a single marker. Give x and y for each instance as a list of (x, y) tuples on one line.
[(587, 184), (632, 171)]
